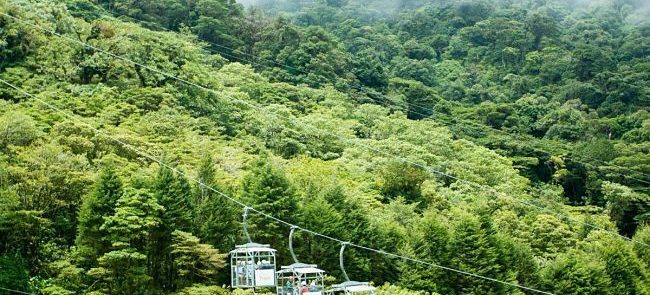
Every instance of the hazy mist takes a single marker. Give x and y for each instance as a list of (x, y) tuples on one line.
[(253, 2), (637, 10)]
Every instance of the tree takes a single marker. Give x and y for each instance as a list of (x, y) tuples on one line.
[(124, 270), (369, 70), (16, 39), (22, 233), (204, 290), (491, 36), (473, 251), (417, 51), (591, 60), (419, 99), (576, 272), (623, 205), (567, 122), (92, 242), (14, 273), (416, 70), (520, 264), (402, 180), (358, 228), (643, 235), (17, 129), (194, 261), (551, 64), (625, 270), (268, 190), (174, 194), (580, 88), (430, 241), (311, 56), (65, 277), (216, 218), (549, 236), (317, 213), (388, 289), (472, 12), (219, 224), (586, 92), (541, 26), (336, 3), (50, 181)]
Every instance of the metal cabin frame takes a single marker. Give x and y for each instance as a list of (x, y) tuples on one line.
[(352, 287), (252, 265), (291, 277)]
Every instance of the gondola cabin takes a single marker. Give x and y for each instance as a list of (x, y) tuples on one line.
[(300, 279), (252, 265), (352, 288)]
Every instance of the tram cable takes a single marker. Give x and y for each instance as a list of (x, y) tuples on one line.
[(522, 137), (526, 137), (15, 291), (473, 184), (252, 209), (388, 105)]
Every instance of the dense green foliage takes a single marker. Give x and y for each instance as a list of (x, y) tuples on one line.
[(323, 113)]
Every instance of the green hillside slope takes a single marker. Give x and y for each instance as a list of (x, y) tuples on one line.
[(387, 131)]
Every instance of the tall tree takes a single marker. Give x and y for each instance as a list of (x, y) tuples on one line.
[(642, 251), (92, 241), (317, 213), (576, 272), (404, 180), (268, 190), (473, 250), (624, 205), (14, 274), (624, 268), (217, 219), (358, 228), (174, 194), (541, 25), (429, 240), (195, 262), (123, 270)]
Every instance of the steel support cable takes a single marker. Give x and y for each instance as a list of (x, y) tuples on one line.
[(252, 62), (537, 149), (385, 103), (15, 291), (340, 137), (200, 183)]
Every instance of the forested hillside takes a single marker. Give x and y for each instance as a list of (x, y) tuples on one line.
[(505, 139)]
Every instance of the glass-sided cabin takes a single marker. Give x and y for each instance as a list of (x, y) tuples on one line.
[(352, 288), (293, 277), (252, 265)]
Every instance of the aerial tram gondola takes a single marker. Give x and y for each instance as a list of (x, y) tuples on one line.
[(350, 287), (299, 278), (252, 265)]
